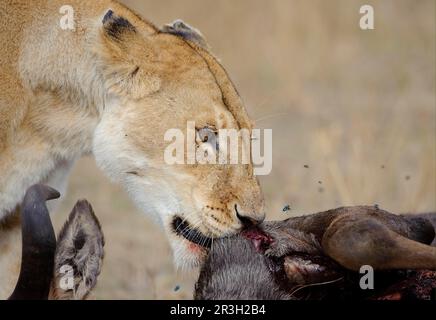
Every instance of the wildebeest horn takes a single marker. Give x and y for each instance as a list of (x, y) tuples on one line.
[(38, 245)]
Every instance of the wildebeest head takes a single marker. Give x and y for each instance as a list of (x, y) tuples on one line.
[(319, 257), (238, 268)]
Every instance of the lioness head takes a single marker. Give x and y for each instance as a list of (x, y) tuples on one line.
[(158, 81)]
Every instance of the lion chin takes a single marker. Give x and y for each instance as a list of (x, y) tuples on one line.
[(187, 255), (190, 246)]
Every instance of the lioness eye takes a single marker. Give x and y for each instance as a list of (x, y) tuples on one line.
[(208, 135)]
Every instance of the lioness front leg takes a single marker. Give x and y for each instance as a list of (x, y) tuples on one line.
[(354, 241)]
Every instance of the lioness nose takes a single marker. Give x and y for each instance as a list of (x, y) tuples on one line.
[(249, 220)]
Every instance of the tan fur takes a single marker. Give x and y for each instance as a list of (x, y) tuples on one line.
[(67, 93), (10, 254)]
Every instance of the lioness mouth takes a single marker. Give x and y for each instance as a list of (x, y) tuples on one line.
[(183, 228)]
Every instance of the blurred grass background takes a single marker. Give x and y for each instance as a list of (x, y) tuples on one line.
[(352, 112)]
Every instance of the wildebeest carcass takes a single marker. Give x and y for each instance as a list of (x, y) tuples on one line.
[(319, 257)]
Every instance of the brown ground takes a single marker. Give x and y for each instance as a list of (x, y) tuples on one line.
[(357, 107)]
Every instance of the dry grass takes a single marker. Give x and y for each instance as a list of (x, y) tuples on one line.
[(357, 107)]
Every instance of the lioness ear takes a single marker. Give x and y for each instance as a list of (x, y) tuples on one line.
[(79, 255), (184, 30), (123, 55), (117, 28)]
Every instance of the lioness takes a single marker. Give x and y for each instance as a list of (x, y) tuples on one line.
[(112, 87)]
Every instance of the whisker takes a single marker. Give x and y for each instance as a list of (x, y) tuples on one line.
[(315, 284), (185, 219)]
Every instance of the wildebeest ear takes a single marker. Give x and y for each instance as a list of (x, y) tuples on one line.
[(184, 30), (79, 255)]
